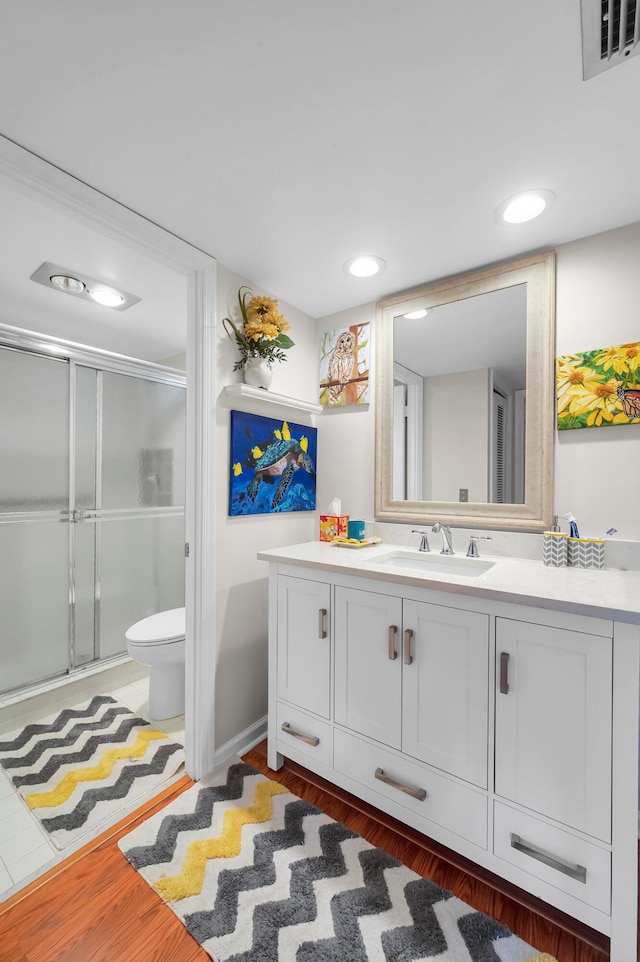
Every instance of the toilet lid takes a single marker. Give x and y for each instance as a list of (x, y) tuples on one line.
[(164, 626)]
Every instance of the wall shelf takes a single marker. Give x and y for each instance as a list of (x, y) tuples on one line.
[(244, 397)]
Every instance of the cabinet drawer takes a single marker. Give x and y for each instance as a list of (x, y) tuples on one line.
[(303, 734), (452, 806), (574, 865)]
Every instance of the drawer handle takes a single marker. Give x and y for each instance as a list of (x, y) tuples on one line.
[(408, 657), (310, 740), (393, 654), (504, 672), (322, 613), (418, 793), (577, 872)]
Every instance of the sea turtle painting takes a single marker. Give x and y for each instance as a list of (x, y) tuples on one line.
[(281, 459), (273, 465)]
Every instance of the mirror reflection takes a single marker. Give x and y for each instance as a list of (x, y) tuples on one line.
[(465, 399), (459, 398)]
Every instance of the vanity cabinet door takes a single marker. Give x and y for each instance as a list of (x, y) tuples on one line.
[(368, 664), (553, 723), (304, 644), (446, 689)]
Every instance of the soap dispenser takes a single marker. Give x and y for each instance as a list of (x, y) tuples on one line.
[(555, 546)]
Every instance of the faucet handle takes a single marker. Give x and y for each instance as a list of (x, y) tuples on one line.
[(472, 550), (424, 541)]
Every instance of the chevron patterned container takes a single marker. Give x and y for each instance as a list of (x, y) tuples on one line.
[(586, 552), (554, 549)]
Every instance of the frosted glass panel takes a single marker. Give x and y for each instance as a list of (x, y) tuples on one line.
[(142, 443), (34, 602), (86, 433), (34, 432), (141, 571)]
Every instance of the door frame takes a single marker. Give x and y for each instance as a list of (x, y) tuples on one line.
[(51, 186)]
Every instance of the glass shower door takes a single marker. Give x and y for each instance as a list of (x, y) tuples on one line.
[(139, 518), (34, 511)]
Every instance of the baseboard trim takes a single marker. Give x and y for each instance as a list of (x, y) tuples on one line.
[(242, 742)]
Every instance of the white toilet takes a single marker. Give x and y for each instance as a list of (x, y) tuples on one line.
[(158, 641)]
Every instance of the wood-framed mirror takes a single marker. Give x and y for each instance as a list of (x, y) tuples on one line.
[(465, 407)]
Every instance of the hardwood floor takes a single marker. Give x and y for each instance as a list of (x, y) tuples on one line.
[(95, 908)]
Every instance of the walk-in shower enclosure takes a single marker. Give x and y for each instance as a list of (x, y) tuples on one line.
[(92, 490)]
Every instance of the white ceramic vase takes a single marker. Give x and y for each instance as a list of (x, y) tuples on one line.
[(258, 372)]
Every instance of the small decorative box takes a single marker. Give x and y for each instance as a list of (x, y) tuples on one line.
[(554, 549), (333, 526), (586, 552)]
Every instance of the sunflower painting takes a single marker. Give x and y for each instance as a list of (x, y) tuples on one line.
[(599, 387)]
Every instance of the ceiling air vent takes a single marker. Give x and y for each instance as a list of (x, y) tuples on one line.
[(610, 34)]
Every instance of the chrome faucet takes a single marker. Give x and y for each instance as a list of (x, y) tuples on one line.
[(472, 550), (424, 541), (445, 531)]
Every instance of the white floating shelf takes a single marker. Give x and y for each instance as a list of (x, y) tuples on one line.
[(246, 397)]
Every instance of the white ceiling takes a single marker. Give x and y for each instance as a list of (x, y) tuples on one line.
[(284, 137)]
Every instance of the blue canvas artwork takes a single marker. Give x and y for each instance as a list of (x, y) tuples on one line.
[(272, 465)]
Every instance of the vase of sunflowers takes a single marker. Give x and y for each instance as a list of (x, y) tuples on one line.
[(260, 335)]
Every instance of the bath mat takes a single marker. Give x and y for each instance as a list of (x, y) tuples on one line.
[(79, 768), (256, 874)]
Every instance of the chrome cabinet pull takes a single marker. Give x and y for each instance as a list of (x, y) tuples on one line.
[(408, 636), (393, 654), (577, 872), (321, 629), (418, 793), (310, 740), (504, 672)]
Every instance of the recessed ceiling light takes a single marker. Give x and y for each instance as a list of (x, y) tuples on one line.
[(65, 282), (416, 315), (82, 286), (365, 265), (524, 206), (107, 296)]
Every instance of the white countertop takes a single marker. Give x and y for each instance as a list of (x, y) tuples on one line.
[(606, 593)]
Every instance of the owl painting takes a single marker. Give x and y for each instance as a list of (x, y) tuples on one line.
[(341, 365), (344, 366)]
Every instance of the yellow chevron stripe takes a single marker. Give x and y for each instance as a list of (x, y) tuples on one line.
[(542, 957), (102, 770), (228, 844)]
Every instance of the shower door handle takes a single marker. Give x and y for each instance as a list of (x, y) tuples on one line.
[(78, 515)]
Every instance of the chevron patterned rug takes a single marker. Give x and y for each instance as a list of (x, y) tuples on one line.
[(259, 875), (79, 768)]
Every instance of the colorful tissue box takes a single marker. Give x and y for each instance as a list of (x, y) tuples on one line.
[(586, 552), (333, 526)]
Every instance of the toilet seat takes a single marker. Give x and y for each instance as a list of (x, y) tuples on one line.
[(163, 628)]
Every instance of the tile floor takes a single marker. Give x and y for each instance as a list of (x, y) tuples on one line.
[(25, 850)]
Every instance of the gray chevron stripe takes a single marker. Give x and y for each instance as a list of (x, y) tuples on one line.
[(304, 888), (163, 848), (62, 719), (120, 789), (84, 754), (222, 918)]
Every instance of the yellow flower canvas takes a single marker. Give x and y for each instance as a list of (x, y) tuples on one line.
[(599, 387)]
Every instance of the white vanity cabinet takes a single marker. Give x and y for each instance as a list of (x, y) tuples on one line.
[(507, 732), (304, 644), (553, 723), (414, 676)]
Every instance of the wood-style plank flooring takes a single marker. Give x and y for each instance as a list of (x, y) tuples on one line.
[(95, 908)]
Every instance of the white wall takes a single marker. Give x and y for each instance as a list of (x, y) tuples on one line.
[(598, 305), (456, 431), (596, 469), (241, 580), (347, 433)]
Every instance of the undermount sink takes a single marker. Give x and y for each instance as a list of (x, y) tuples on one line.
[(436, 563)]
